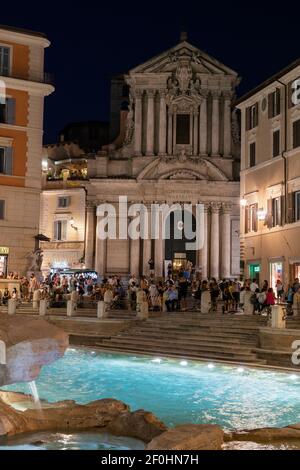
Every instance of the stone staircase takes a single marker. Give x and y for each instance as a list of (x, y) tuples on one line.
[(189, 335)]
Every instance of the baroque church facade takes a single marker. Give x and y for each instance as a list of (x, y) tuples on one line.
[(178, 143)]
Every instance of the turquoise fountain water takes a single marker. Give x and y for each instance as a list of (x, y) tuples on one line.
[(176, 391)]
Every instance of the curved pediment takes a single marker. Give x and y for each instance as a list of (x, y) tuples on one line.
[(174, 169)]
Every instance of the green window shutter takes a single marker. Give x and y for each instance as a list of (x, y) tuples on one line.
[(270, 105), (291, 207), (256, 114), (10, 111), (8, 161)]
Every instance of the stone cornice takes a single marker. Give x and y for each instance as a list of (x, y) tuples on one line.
[(19, 37), (34, 88)]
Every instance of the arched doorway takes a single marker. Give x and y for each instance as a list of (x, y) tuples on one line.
[(175, 244)]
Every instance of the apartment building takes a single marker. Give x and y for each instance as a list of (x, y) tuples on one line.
[(23, 87), (270, 178)]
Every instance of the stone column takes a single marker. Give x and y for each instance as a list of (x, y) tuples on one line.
[(203, 255), (226, 245), (170, 136), (147, 246), (162, 124), (135, 257), (191, 128), (215, 150), (159, 251), (174, 128), (196, 131), (215, 241), (101, 253), (90, 236), (138, 122), (203, 125), (227, 123), (150, 122)]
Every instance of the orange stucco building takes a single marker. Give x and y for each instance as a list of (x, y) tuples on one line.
[(23, 87)]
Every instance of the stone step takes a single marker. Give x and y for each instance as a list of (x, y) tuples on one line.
[(248, 358), (179, 344), (199, 341)]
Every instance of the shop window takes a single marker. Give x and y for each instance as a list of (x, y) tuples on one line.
[(276, 273), (60, 230)]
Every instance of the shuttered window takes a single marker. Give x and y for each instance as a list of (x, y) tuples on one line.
[(251, 218), (252, 154), (276, 211), (63, 201), (60, 230), (251, 117), (297, 205), (296, 133), (276, 143), (4, 60), (6, 161), (294, 93), (2, 209), (274, 103), (8, 111)]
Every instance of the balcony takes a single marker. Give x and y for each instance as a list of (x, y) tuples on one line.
[(47, 78)]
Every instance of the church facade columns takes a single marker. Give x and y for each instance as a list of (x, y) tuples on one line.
[(138, 123), (170, 130), (90, 236), (162, 147), (203, 253), (147, 244), (226, 241), (196, 132), (203, 125), (227, 123), (157, 229), (100, 251), (215, 139), (150, 122), (215, 241)]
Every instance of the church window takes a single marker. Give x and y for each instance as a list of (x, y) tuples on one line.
[(183, 129)]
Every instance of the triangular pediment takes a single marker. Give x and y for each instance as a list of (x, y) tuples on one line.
[(167, 62)]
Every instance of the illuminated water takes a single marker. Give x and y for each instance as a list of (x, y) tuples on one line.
[(176, 391)]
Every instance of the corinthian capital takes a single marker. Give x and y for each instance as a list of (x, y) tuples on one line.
[(215, 207), (228, 94), (150, 93), (226, 207), (215, 94), (138, 93)]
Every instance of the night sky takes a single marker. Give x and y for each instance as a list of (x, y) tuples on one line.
[(90, 43)]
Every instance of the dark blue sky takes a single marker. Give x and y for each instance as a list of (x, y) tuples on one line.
[(92, 41)]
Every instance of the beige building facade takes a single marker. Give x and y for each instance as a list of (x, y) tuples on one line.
[(270, 179), (178, 144), (23, 87)]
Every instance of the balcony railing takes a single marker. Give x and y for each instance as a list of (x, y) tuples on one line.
[(47, 78)]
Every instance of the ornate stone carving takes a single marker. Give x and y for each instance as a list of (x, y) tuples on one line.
[(235, 127), (184, 75)]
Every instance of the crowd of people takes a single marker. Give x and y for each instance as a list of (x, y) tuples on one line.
[(180, 291)]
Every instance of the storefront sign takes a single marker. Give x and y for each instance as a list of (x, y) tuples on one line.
[(4, 250)]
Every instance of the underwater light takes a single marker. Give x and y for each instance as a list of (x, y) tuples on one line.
[(157, 360), (183, 363), (211, 366), (293, 377), (241, 369)]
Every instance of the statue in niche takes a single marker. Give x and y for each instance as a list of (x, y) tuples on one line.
[(173, 86), (35, 260), (129, 126), (195, 87)]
